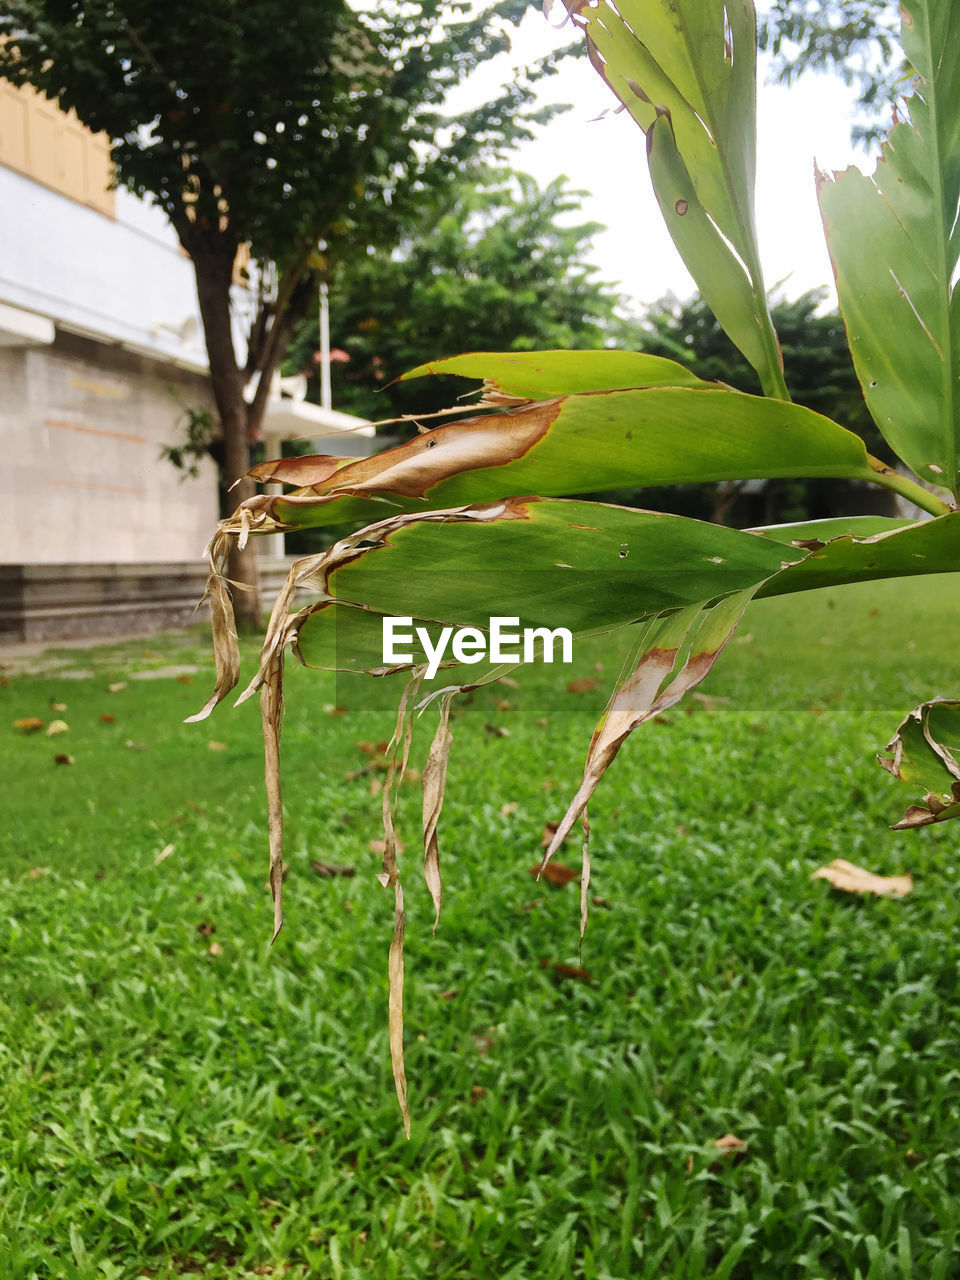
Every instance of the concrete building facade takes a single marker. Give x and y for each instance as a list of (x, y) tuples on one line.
[(101, 353)]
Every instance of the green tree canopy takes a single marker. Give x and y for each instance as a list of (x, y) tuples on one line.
[(853, 39), (498, 264), (818, 369)]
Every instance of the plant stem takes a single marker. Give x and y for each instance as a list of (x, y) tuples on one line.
[(881, 474)]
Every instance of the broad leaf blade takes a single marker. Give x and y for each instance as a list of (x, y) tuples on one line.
[(925, 752), (578, 444), (932, 546), (542, 375), (685, 70), (894, 243)]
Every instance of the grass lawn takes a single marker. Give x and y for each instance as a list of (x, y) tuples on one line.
[(173, 1107)]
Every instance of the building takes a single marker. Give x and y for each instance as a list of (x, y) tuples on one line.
[(101, 354)]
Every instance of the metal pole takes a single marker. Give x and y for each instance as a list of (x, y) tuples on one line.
[(326, 394)]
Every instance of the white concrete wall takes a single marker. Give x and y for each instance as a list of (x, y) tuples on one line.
[(117, 279), (83, 481)]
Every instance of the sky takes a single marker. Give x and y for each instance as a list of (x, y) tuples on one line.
[(606, 158)]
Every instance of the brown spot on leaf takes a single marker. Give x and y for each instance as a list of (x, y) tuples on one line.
[(680, 208)]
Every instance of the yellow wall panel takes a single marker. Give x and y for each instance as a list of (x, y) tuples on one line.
[(50, 146)]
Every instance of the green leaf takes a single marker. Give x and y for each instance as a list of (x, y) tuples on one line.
[(579, 444), (586, 566), (925, 752), (686, 72), (541, 375), (894, 242), (719, 274), (932, 546)]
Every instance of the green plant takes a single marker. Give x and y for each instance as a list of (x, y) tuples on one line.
[(563, 422), (198, 432)]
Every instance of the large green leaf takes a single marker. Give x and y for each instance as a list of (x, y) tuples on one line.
[(894, 242), (578, 444), (542, 375), (585, 566), (932, 546), (686, 72)]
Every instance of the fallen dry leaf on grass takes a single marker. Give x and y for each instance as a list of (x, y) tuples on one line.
[(165, 852), (852, 879), (556, 873), (330, 869), (584, 685), (216, 746), (64, 759), (57, 726), (567, 971), (57, 706), (107, 718), (117, 687), (510, 807), (30, 724), (729, 1142), (215, 949)]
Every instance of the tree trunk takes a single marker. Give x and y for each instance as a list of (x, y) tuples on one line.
[(213, 265)]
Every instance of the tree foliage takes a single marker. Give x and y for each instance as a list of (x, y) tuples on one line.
[(853, 39), (499, 260)]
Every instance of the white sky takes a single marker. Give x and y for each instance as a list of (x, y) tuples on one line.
[(810, 120)]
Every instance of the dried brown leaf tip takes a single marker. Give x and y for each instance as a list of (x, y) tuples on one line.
[(380, 846), (849, 878), (556, 873)]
